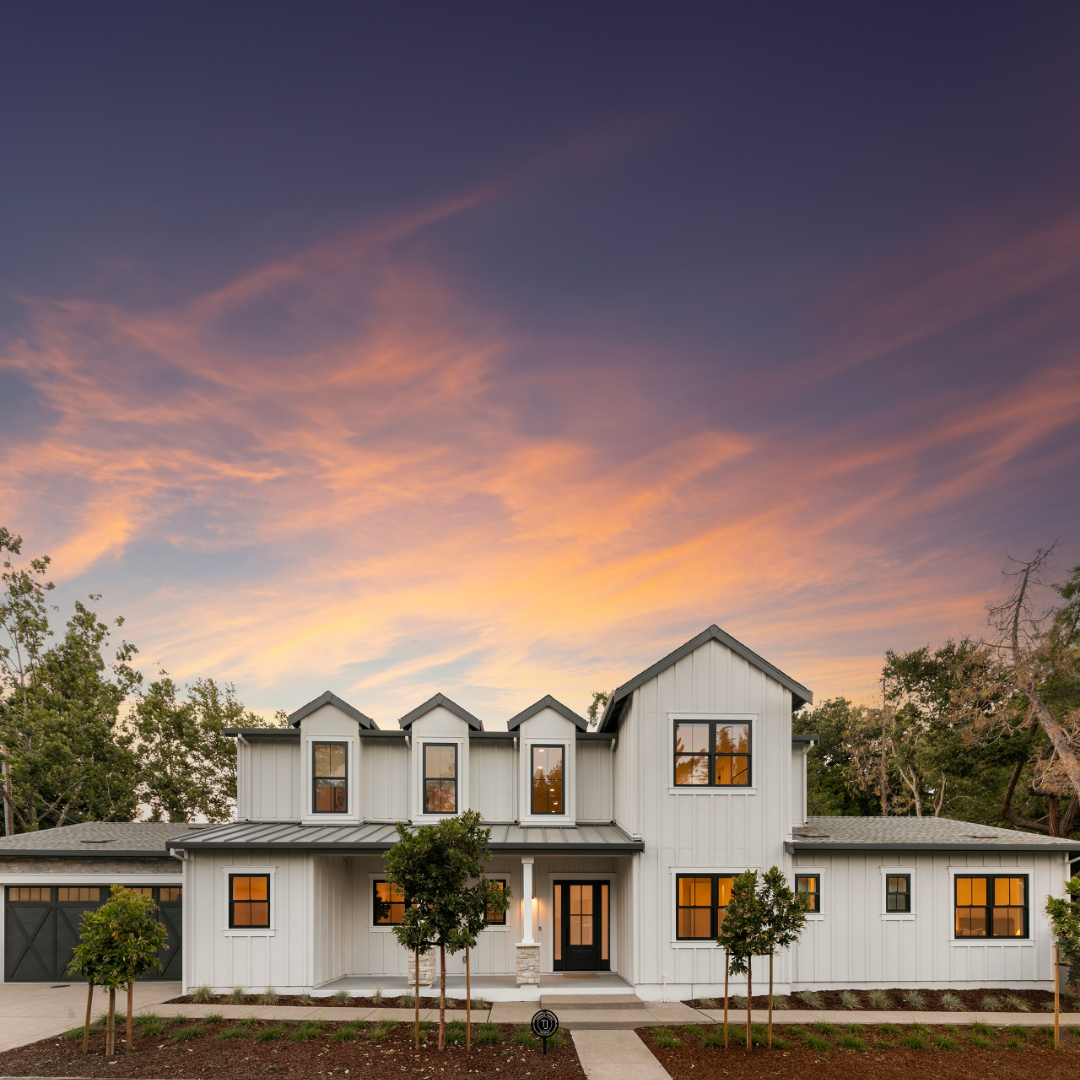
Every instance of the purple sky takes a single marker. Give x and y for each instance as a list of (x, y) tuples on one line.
[(499, 351)]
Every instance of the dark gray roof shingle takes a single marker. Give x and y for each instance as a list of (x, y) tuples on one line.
[(928, 833), (101, 838)]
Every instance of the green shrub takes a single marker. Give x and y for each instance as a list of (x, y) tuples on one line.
[(920, 1029), (982, 1029), (1017, 1004), (881, 1044), (707, 1003), (1018, 1031), (345, 1034), (213, 1018), (341, 997), (175, 1021), (951, 1002), (738, 1001), (74, 1033), (850, 1000), (816, 1043), (879, 999), (665, 1039), (915, 999), (185, 1034), (488, 1035), (523, 1036), (945, 1042), (455, 1033), (851, 1042), (268, 1034), (305, 999), (914, 1042), (380, 1030), (714, 1040), (481, 1003), (1015, 1044), (981, 1043), (308, 1031), (989, 1003), (1048, 1006), (888, 1029), (236, 996), (230, 1033), (822, 1027), (810, 998), (693, 1030), (407, 1000), (779, 1002), (248, 1021), (376, 998), (780, 1043), (202, 995), (558, 1040), (148, 1029)]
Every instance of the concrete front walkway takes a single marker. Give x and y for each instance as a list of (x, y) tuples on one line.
[(32, 1011), (616, 1055)]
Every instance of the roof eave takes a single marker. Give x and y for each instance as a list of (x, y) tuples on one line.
[(792, 846)]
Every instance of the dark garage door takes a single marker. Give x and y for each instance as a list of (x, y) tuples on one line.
[(41, 928)]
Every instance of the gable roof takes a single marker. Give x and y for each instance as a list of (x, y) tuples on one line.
[(446, 703), (547, 702), (329, 698), (615, 707)]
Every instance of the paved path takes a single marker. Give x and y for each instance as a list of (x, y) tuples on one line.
[(32, 1011), (616, 1055)]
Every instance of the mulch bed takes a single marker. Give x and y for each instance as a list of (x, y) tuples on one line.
[(1037, 1001), (375, 1051), (387, 1002), (1003, 1054)]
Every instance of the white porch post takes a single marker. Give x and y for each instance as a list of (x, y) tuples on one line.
[(528, 950)]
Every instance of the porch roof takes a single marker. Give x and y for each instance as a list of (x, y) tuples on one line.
[(381, 836)]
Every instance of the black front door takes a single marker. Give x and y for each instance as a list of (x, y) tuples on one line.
[(582, 926)]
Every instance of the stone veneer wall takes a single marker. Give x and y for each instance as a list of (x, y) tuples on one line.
[(98, 865)]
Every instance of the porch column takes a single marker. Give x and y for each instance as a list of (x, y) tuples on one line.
[(528, 951)]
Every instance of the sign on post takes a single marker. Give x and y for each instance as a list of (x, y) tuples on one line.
[(544, 1024)]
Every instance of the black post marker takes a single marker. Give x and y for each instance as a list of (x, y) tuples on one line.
[(544, 1024)]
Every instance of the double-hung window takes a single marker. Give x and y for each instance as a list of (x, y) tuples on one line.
[(809, 886), (548, 774), (991, 905), (329, 778), (701, 902), (440, 778), (897, 894), (712, 753), (249, 901), (388, 904), (496, 918)]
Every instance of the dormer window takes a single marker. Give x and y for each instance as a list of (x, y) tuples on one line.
[(440, 778), (547, 779), (329, 778)]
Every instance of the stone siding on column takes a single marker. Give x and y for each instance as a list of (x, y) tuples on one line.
[(528, 964)]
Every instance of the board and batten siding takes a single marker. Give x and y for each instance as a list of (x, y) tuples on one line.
[(384, 779), (594, 780), (334, 919), (268, 780), (705, 829), (492, 765), (853, 946)]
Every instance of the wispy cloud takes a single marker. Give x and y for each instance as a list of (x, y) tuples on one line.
[(353, 421)]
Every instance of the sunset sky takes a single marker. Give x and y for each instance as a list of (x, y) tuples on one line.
[(498, 349)]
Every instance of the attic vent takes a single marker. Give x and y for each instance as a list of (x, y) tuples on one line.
[(979, 836), (111, 841)]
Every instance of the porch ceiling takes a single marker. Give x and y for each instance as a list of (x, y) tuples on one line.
[(380, 836)]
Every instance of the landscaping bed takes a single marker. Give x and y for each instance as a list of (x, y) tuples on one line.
[(341, 998), (903, 1001), (834, 1051), (251, 1049)]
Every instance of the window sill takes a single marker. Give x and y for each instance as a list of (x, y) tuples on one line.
[(330, 819), (710, 944), (815, 916), (992, 942), (704, 789), (249, 933), (904, 916), (556, 821)]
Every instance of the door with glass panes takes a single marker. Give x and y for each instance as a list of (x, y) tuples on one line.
[(582, 930)]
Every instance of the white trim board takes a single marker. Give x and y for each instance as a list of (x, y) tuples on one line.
[(247, 871)]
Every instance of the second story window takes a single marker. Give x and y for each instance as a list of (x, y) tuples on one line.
[(329, 780), (440, 778), (547, 780), (712, 753)]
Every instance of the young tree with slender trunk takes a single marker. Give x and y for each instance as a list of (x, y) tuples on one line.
[(1064, 916)]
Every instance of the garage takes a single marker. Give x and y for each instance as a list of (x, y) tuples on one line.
[(41, 928), (50, 878)]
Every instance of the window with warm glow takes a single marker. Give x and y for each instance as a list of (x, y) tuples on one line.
[(440, 778), (329, 780), (991, 906), (388, 904), (809, 885), (700, 905), (496, 918), (547, 780), (249, 901), (712, 753)]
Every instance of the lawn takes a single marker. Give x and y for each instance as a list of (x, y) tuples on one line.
[(250, 1049), (836, 1051)]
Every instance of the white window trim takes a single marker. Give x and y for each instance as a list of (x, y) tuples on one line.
[(501, 928), (993, 942), (525, 814), (548, 944), (370, 901), (245, 871), (462, 744), (824, 896), (754, 720), (352, 816), (899, 916), (678, 871)]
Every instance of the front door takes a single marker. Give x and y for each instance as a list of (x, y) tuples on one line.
[(582, 926)]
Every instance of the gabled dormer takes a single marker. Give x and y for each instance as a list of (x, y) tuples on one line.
[(330, 760), (547, 762), (439, 734)]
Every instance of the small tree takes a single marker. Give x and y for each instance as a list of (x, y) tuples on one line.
[(118, 943), (762, 918), (1064, 918)]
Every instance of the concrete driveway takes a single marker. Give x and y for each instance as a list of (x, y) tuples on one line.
[(32, 1011)]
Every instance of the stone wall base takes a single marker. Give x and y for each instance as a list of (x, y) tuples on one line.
[(528, 963), (427, 968)]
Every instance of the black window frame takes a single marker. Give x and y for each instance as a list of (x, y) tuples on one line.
[(376, 902), (424, 778), (712, 754), (714, 895), (500, 918), (315, 778), (233, 902), (906, 895), (815, 892), (561, 747), (990, 905)]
